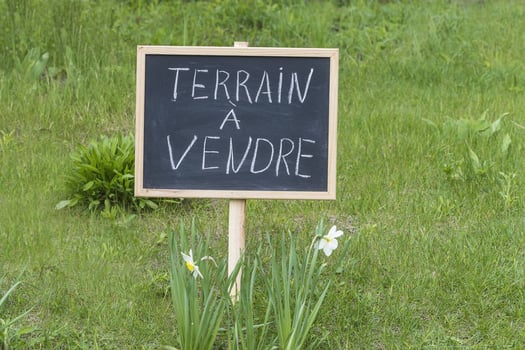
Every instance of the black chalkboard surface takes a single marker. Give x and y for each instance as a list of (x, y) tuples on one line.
[(236, 122)]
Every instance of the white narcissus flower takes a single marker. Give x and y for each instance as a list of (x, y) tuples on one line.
[(328, 242), (190, 264)]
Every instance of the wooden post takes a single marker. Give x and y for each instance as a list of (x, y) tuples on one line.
[(236, 228), (236, 239)]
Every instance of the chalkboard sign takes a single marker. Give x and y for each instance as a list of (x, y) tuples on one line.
[(224, 122)]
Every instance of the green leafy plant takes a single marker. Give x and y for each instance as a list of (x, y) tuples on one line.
[(465, 128), (33, 66), (292, 284), (249, 331), (296, 291), (199, 291), (7, 332), (479, 167), (102, 176), (478, 138), (507, 191)]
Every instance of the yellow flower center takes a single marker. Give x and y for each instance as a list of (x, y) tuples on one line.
[(328, 239), (190, 266)]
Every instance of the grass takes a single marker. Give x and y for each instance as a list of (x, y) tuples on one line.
[(435, 260)]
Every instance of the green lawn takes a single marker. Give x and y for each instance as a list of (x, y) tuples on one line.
[(429, 194)]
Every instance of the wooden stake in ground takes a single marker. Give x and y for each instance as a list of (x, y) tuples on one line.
[(236, 228), (236, 239)]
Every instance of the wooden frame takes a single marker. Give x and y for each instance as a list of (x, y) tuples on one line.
[(143, 51)]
